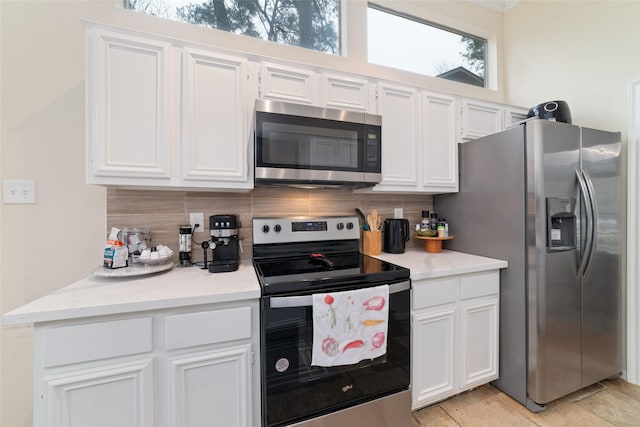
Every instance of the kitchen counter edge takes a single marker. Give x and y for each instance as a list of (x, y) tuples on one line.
[(182, 287), (424, 265), (100, 296)]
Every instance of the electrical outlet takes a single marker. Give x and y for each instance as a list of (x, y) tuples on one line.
[(16, 191), (196, 218), (398, 212)]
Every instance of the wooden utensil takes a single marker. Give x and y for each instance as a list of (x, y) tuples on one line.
[(376, 220)]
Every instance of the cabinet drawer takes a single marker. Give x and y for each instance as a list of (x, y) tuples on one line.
[(478, 285), (208, 327), (94, 341), (430, 293)]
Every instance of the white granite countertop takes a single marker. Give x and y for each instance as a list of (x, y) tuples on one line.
[(424, 265), (179, 287)]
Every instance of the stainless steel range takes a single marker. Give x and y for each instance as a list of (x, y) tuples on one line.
[(294, 259)]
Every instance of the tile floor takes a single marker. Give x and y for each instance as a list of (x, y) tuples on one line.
[(608, 403)]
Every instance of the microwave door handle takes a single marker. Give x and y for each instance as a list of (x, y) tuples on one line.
[(307, 300)]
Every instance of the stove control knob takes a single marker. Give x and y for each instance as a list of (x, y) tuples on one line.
[(349, 226), (340, 226), (265, 228), (277, 228)]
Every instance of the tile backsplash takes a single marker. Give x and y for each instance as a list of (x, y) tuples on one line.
[(163, 211)]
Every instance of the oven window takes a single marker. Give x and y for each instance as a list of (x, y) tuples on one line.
[(294, 390)]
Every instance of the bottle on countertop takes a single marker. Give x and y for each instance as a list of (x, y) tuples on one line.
[(445, 226), (434, 222), (424, 223)]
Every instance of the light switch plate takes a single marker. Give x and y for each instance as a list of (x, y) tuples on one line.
[(398, 212), (18, 191)]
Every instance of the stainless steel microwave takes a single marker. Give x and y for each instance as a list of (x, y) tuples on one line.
[(306, 146)]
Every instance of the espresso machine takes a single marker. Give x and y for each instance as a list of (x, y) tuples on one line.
[(224, 243)]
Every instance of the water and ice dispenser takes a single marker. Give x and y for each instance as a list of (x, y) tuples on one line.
[(561, 223)]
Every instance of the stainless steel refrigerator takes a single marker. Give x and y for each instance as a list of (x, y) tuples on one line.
[(549, 198)]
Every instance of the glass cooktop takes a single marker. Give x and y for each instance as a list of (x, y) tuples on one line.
[(316, 272)]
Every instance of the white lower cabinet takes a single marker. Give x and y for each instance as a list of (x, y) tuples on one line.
[(433, 354), (211, 385), (181, 367), (454, 335)]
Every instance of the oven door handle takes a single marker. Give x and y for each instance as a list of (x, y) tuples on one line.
[(307, 300)]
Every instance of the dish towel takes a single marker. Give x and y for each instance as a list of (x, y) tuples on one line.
[(350, 326)]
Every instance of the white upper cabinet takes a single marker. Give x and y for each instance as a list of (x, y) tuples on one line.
[(129, 102), (284, 83), (214, 119), (419, 140), (480, 119), (401, 147), (163, 115), (351, 93), (440, 152), (514, 114)]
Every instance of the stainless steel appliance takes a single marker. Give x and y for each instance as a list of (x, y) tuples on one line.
[(302, 145), (549, 198), (224, 243), (395, 235), (295, 258)]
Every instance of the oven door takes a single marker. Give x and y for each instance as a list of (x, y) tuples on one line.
[(293, 390)]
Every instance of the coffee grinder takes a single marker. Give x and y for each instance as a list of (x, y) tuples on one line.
[(225, 243), (184, 245)]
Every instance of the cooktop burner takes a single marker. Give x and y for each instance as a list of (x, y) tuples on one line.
[(298, 255)]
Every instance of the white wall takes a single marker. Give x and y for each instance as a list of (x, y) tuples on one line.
[(58, 240), (586, 53)]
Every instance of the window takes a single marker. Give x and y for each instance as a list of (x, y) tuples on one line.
[(312, 24), (411, 44)]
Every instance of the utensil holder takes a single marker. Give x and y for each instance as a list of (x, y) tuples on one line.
[(371, 242)]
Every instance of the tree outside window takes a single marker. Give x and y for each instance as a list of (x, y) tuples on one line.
[(406, 42), (312, 24)]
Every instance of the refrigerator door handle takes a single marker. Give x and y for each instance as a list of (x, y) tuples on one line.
[(594, 220), (585, 253)]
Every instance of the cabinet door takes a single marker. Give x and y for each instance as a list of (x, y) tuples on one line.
[(110, 395), (433, 356), (440, 158), (401, 151), (279, 82), (129, 98), (347, 92), (214, 120), (514, 114), (211, 387), (478, 341), (480, 119)]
